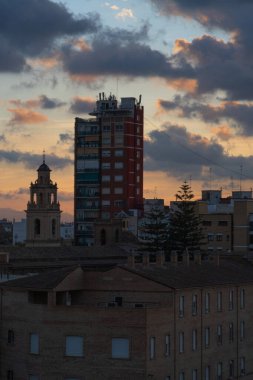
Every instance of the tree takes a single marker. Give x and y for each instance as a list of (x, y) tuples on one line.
[(154, 230), (185, 226)]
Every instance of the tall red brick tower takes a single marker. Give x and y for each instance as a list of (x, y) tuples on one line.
[(108, 164)]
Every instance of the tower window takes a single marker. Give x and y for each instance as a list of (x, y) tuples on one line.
[(103, 237), (37, 227), (53, 226)]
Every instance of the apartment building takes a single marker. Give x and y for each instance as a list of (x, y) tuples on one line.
[(137, 321), (108, 164)]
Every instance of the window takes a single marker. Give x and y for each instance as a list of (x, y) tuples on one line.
[(119, 128), (152, 347), (242, 298), (106, 203), (167, 345), (106, 190), (106, 165), (119, 203), (137, 178), (106, 153), (53, 226), (106, 178), (106, 128), (194, 304), (219, 237), (181, 306), (242, 365), (120, 348), (138, 141), (231, 332), (219, 371), (119, 153), (34, 344), (118, 190), (33, 377), (39, 298), (207, 337), (181, 375), (231, 299), (231, 368), (11, 337), (106, 141), (118, 178), (37, 227), (210, 237), (118, 165), (74, 346), (207, 303), (219, 334), (206, 223), (194, 374), (219, 301), (119, 140), (10, 375), (207, 373), (181, 342), (242, 330), (194, 340), (138, 154), (222, 223)]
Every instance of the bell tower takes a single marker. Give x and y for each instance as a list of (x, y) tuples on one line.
[(43, 211)]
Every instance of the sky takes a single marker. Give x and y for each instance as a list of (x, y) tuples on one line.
[(190, 60)]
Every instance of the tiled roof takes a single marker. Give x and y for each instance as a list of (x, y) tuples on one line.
[(207, 274)]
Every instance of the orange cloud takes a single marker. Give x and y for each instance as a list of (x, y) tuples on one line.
[(26, 116), (223, 132), (180, 45), (189, 85), (86, 79), (29, 103), (47, 63), (81, 45)]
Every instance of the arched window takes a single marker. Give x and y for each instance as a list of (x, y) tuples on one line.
[(53, 226), (41, 199), (117, 236), (37, 227), (103, 237)]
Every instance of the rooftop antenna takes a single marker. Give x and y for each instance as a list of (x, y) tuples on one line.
[(44, 156)]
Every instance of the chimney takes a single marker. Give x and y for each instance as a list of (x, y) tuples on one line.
[(173, 257), (186, 257), (160, 259), (197, 257)]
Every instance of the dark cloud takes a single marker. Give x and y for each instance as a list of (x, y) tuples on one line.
[(48, 103), (218, 65), (28, 28), (33, 161), (82, 105), (180, 153), (238, 115), (65, 138), (14, 193), (120, 52)]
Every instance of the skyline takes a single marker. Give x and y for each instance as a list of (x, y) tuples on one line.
[(190, 62)]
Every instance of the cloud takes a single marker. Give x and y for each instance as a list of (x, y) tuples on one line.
[(14, 194), (65, 138), (180, 153), (120, 52), (82, 105), (52, 103), (125, 13), (65, 196), (34, 31), (218, 65), (33, 161), (26, 116), (239, 115)]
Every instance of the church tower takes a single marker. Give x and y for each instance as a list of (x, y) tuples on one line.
[(43, 211)]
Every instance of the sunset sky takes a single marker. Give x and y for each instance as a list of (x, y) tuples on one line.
[(192, 61)]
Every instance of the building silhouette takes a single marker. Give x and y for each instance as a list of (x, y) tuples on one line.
[(43, 211), (108, 164)]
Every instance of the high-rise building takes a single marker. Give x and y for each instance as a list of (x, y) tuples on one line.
[(108, 164)]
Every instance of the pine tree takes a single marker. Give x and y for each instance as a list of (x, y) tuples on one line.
[(185, 226), (154, 230)]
